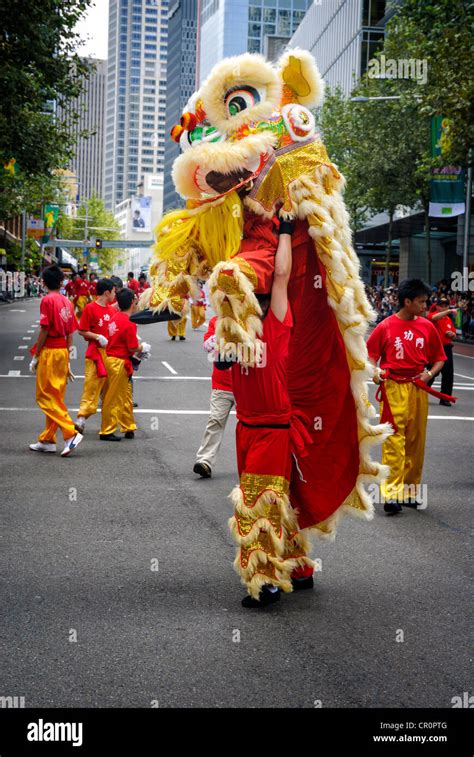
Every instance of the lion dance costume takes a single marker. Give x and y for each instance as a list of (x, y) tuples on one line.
[(250, 154)]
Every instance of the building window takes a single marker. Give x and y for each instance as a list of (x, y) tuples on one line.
[(255, 14)]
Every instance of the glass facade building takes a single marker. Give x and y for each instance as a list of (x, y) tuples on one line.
[(343, 36), (136, 95), (180, 83), (233, 27)]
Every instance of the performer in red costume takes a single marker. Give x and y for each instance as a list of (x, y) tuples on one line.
[(271, 437)]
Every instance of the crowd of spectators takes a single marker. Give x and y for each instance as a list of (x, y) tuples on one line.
[(385, 303)]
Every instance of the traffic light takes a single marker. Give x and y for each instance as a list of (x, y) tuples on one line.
[(98, 244)]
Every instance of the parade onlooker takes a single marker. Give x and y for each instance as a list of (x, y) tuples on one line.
[(132, 283)]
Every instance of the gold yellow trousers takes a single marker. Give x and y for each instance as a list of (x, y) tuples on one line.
[(81, 303), (177, 328), (117, 404), (94, 388), (404, 452), (198, 315), (51, 381)]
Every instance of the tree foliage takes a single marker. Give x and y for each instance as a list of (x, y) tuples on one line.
[(100, 224), (439, 32), (39, 69)]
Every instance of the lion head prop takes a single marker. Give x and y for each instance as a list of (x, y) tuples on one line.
[(251, 154)]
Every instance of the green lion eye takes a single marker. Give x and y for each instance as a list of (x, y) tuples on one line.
[(241, 98)]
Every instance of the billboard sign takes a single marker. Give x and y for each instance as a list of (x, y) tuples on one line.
[(141, 214)]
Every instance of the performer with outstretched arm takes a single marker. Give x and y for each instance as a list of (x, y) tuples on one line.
[(272, 553)]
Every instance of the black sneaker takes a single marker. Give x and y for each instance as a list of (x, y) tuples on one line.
[(299, 584), (135, 404), (182, 338), (266, 597), (392, 508), (130, 435), (445, 403), (203, 470), (110, 438)]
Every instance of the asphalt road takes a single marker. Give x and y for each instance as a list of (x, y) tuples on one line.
[(87, 622)]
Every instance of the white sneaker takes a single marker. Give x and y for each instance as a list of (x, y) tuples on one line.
[(71, 444), (80, 424), (43, 447)]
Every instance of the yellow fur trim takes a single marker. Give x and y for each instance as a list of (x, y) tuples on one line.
[(214, 231)]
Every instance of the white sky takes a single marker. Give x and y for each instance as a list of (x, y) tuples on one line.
[(94, 30)]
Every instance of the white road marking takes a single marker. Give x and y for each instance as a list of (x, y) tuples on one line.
[(19, 357), (13, 373), (159, 411), (16, 311), (30, 331), (459, 354), (22, 347), (27, 338), (461, 375), (171, 370)]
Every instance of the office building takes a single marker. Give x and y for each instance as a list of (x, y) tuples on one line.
[(343, 36), (136, 95), (86, 167), (233, 27), (181, 82)]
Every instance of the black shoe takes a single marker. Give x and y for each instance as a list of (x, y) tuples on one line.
[(129, 435), (445, 403), (267, 597), (172, 338), (203, 470), (299, 584), (110, 438), (392, 508), (135, 404), (182, 338)]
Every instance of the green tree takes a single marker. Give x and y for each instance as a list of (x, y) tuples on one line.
[(100, 224), (439, 33), (39, 69), (336, 119)]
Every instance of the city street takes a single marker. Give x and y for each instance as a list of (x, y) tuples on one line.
[(118, 586)]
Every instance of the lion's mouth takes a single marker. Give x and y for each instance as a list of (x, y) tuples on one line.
[(217, 183), (222, 182)]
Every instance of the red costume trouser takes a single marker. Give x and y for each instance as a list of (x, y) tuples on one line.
[(271, 548)]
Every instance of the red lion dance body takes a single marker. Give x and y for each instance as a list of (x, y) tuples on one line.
[(250, 153)]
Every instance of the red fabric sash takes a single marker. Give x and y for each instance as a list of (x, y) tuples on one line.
[(381, 395), (52, 343), (94, 354)]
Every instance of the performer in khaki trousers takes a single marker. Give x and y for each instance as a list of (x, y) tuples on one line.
[(51, 364), (405, 343), (117, 406), (222, 402)]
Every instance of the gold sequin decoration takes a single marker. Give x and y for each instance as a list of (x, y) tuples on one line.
[(254, 484)]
